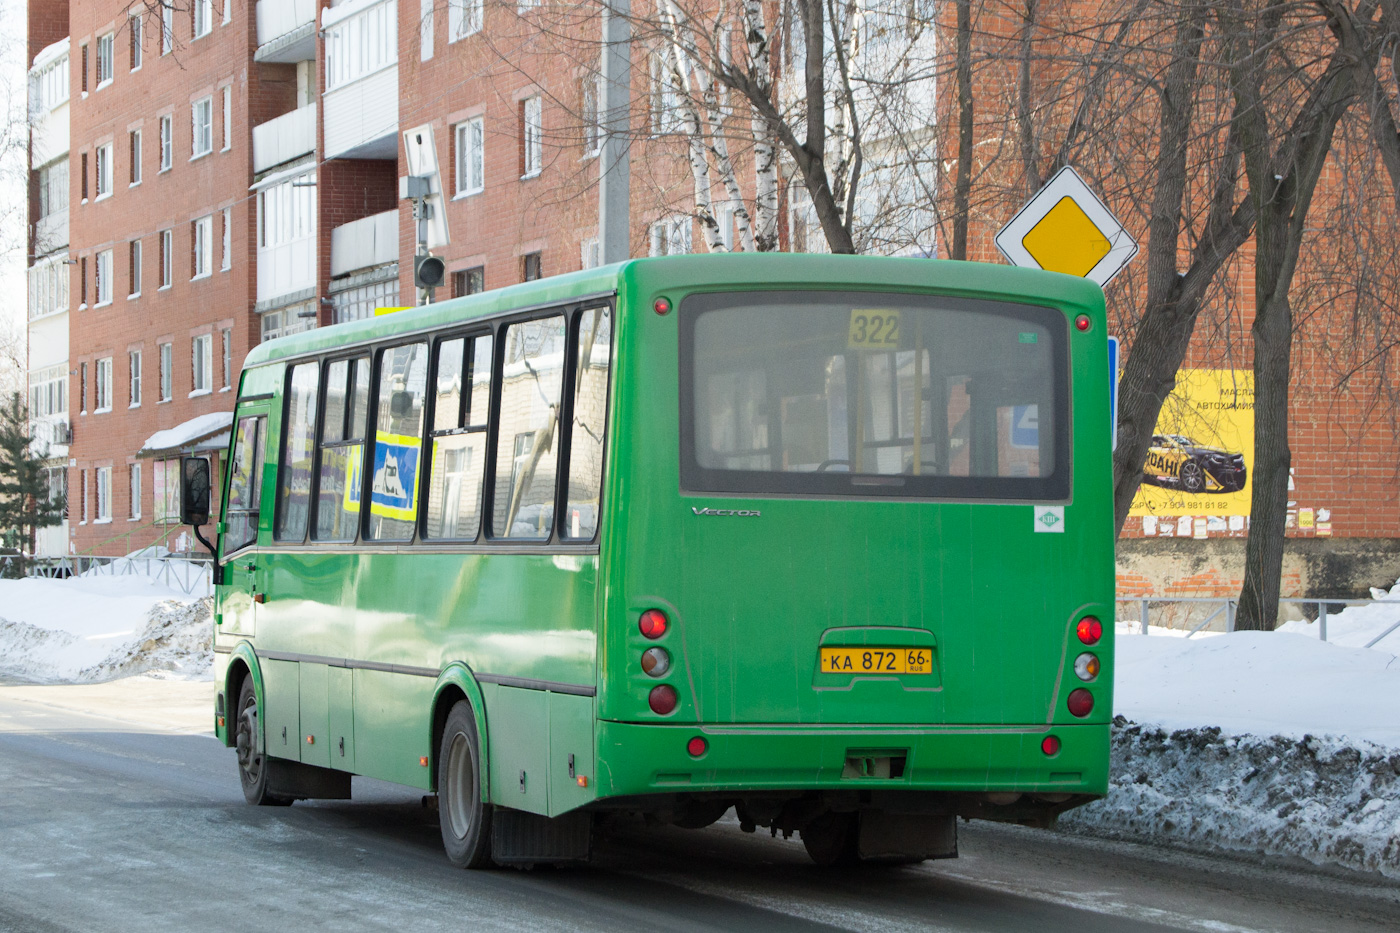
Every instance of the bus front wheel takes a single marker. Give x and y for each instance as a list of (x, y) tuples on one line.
[(252, 757), (464, 817)]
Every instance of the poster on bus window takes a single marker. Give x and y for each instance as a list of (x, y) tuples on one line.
[(1202, 453)]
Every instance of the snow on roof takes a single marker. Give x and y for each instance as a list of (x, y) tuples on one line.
[(182, 435), (50, 53)]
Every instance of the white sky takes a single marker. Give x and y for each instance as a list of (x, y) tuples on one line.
[(13, 176)]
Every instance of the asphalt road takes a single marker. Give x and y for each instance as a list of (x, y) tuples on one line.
[(106, 825)]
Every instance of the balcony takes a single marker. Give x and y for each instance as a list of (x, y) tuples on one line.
[(51, 232), (284, 138), (286, 30), (49, 134), (361, 100), (361, 244)]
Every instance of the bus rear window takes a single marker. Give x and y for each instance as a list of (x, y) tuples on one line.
[(873, 394)]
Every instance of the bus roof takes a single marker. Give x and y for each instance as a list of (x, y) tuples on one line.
[(800, 270)]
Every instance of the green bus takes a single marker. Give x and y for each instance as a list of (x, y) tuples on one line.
[(824, 539)]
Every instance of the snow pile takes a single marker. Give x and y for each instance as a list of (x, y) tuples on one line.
[(94, 628), (1355, 626)]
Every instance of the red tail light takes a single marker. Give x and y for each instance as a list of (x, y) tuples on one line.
[(1089, 630), (653, 623), (1081, 702), (1082, 323), (1050, 745), (662, 699), (697, 747)]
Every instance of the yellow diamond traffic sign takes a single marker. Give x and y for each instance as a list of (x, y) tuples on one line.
[(1066, 228)]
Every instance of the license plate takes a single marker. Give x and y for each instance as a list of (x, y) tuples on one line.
[(877, 661)]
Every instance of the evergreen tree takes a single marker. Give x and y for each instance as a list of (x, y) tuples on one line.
[(25, 504)]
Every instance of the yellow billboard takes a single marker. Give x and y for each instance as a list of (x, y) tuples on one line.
[(1202, 454)]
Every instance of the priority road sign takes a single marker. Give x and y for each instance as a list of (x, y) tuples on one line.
[(1066, 228)]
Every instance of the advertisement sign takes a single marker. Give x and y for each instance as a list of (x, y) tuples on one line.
[(1202, 453)]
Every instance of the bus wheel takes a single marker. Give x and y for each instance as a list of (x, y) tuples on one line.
[(252, 760), (464, 818), (831, 839)]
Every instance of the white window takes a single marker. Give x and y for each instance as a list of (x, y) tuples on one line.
[(48, 391), (166, 143), (471, 157), (134, 270), (202, 363), (670, 236), (665, 100), (724, 217), (227, 335), (48, 286), (134, 24), (287, 212), (226, 263), (203, 17), (104, 385), (167, 257), (53, 188), (228, 117), (202, 127), (105, 48), (133, 360), (228, 12), (425, 30), (590, 253), (202, 240), (104, 171), (104, 278), (591, 99), (104, 494), (525, 6), (134, 490), (51, 84), (167, 26), (531, 135), (165, 364), (463, 18), (361, 44), (135, 147)]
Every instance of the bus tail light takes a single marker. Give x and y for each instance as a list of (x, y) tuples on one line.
[(653, 623), (697, 746), (1086, 666), (656, 661), (663, 699), (1089, 630), (1050, 745), (1081, 702)]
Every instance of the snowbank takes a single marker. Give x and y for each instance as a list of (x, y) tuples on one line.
[(95, 628)]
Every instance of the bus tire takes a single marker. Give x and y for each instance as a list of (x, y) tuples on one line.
[(831, 839), (464, 818), (252, 755)]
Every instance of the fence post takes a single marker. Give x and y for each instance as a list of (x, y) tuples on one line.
[(1229, 615), (1322, 620), (1143, 618)]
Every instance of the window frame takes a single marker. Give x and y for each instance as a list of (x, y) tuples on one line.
[(102, 280), (167, 142), (133, 378), (202, 131), (102, 164), (463, 132), (106, 60), (102, 386)]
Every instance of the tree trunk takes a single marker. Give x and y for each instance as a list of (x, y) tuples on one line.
[(962, 190)]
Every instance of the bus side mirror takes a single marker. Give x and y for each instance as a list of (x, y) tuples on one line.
[(194, 491)]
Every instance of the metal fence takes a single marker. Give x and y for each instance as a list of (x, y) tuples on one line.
[(186, 573), (1229, 606)]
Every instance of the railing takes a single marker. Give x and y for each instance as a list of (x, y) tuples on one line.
[(276, 18), (190, 575), (283, 138), (369, 241), (1229, 606)]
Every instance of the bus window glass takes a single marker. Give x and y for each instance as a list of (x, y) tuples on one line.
[(590, 413), (874, 394), (294, 487), (342, 453), (359, 400), (403, 382), (244, 486), (531, 378), (459, 446)]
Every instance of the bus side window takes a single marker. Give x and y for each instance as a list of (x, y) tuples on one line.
[(586, 434), (294, 470), (244, 486), (531, 379), (398, 442), (342, 450), (461, 405)]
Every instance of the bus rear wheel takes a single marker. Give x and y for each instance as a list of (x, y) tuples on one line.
[(464, 818), (831, 839), (252, 757)]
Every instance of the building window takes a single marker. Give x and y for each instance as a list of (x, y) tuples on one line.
[(228, 117), (226, 262), (531, 137), (287, 212), (202, 243), (166, 143), (134, 490), (48, 286), (665, 101), (133, 268), (463, 18), (167, 26), (135, 147), (82, 388), (469, 281), (590, 253), (104, 494), (227, 336), (48, 391), (105, 48), (202, 12), (53, 188), (471, 157), (293, 319), (202, 364), (670, 236), (134, 23), (104, 171), (531, 267), (82, 282), (84, 85), (356, 304), (591, 96), (104, 278), (165, 364), (103, 402), (83, 182), (362, 43), (202, 127), (228, 12), (425, 30), (51, 84), (167, 245), (133, 362)]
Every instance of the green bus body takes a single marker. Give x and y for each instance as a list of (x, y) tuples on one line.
[(358, 649)]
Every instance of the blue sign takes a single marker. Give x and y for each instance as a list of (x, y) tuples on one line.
[(394, 487), (1113, 390), (1025, 426)]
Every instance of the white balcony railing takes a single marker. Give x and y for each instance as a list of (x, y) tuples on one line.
[(360, 244), (362, 118), (277, 18), (284, 138)]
